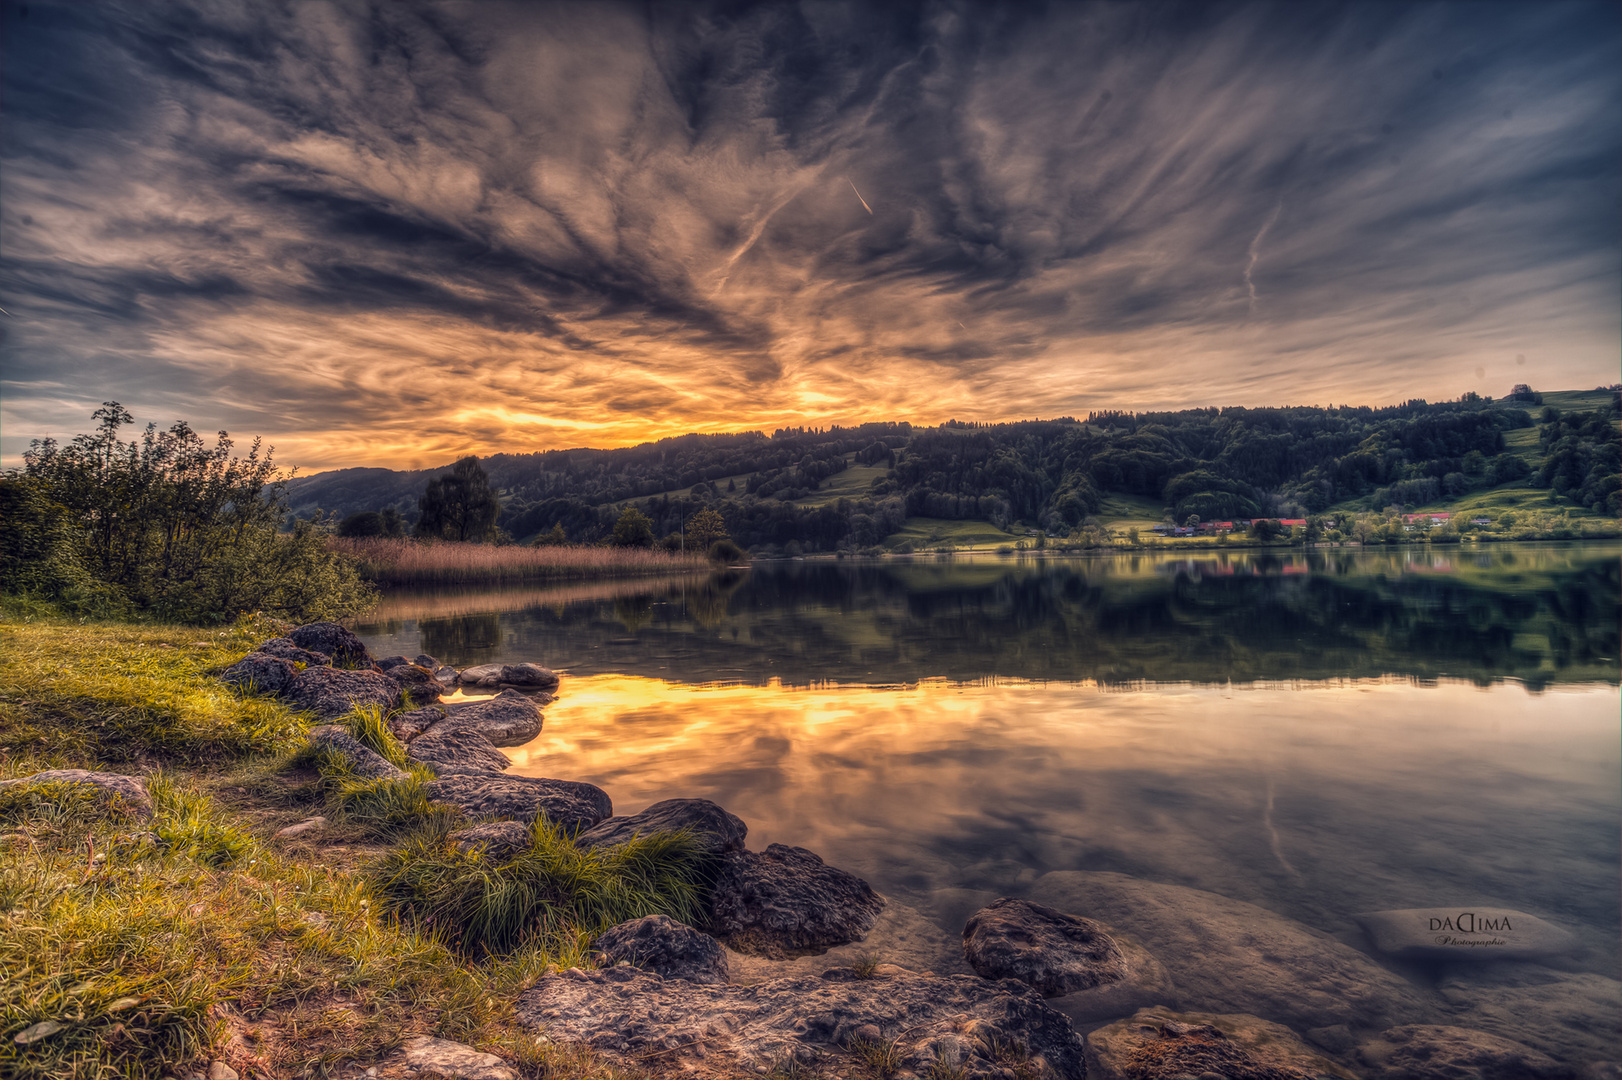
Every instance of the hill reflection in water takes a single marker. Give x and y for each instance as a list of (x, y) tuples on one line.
[(1540, 614)]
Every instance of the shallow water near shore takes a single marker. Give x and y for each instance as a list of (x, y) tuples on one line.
[(1319, 735)]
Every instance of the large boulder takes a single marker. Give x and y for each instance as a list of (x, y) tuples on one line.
[(260, 673), (785, 901), (1465, 933), (1225, 955), (360, 759), (331, 692), (1435, 1052), (456, 751), (1093, 973), (976, 1028), (287, 650), (1158, 1045), (572, 805), (508, 719), (717, 831), (660, 944), (116, 793), (528, 677), (345, 648), (488, 674)]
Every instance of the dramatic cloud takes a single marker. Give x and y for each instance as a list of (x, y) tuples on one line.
[(397, 233)]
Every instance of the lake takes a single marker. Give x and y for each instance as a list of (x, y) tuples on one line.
[(1319, 734)]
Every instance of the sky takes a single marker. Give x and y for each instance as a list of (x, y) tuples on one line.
[(394, 234)]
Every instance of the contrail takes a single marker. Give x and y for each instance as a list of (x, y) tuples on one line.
[(866, 207), (1256, 252)]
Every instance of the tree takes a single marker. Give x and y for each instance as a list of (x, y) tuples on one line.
[(460, 506), (633, 529), (705, 529), (555, 538), (365, 523)]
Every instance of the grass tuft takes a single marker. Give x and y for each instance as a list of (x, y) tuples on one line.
[(549, 895)]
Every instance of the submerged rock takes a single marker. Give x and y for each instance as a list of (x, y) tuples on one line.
[(974, 1027), (1573, 1016), (508, 719), (786, 901), (331, 692), (1050, 951), (1465, 933), (1156, 1044), (1225, 955), (716, 830), (119, 794), (567, 803), (660, 944), (360, 759), (901, 935), (260, 673), (1434, 1052), (345, 648)]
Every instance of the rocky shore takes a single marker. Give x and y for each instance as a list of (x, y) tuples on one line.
[(795, 967)]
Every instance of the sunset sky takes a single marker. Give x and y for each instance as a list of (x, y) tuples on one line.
[(395, 234)]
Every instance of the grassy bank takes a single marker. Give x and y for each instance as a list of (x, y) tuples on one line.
[(414, 562), (148, 948)]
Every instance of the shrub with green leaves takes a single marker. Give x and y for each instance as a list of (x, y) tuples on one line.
[(547, 894)]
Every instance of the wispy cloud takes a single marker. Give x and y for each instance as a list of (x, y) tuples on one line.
[(404, 232)]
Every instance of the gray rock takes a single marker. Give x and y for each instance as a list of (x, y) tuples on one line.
[(446, 676), (528, 677), (424, 660), (120, 794), (567, 803), (331, 692), (660, 944), (1054, 953), (452, 1060), (328, 637), (417, 684), (508, 719), (260, 673), (406, 726), (472, 676), (219, 1070), (360, 759), (716, 830), (287, 650), (1573, 1016), (901, 935), (785, 901), (389, 662), (1225, 955), (499, 840), (1155, 1044), (456, 751), (1434, 1052), (627, 1014), (310, 825), (1465, 933)]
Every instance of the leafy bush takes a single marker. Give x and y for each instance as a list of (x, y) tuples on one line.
[(164, 526)]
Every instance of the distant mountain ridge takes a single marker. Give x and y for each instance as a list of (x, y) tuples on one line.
[(852, 486)]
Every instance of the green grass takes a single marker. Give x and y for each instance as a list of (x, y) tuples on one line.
[(145, 949), (552, 894), (853, 483), (925, 532), (1121, 511)]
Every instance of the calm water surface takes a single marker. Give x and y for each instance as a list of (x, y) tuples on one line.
[(1321, 734)]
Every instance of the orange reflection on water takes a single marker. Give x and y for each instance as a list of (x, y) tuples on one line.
[(1310, 798)]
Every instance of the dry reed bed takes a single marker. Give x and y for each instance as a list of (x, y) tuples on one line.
[(438, 603), (402, 562)]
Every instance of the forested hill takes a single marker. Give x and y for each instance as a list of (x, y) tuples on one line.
[(1050, 474)]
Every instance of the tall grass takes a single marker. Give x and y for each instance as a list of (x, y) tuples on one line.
[(402, 562)]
